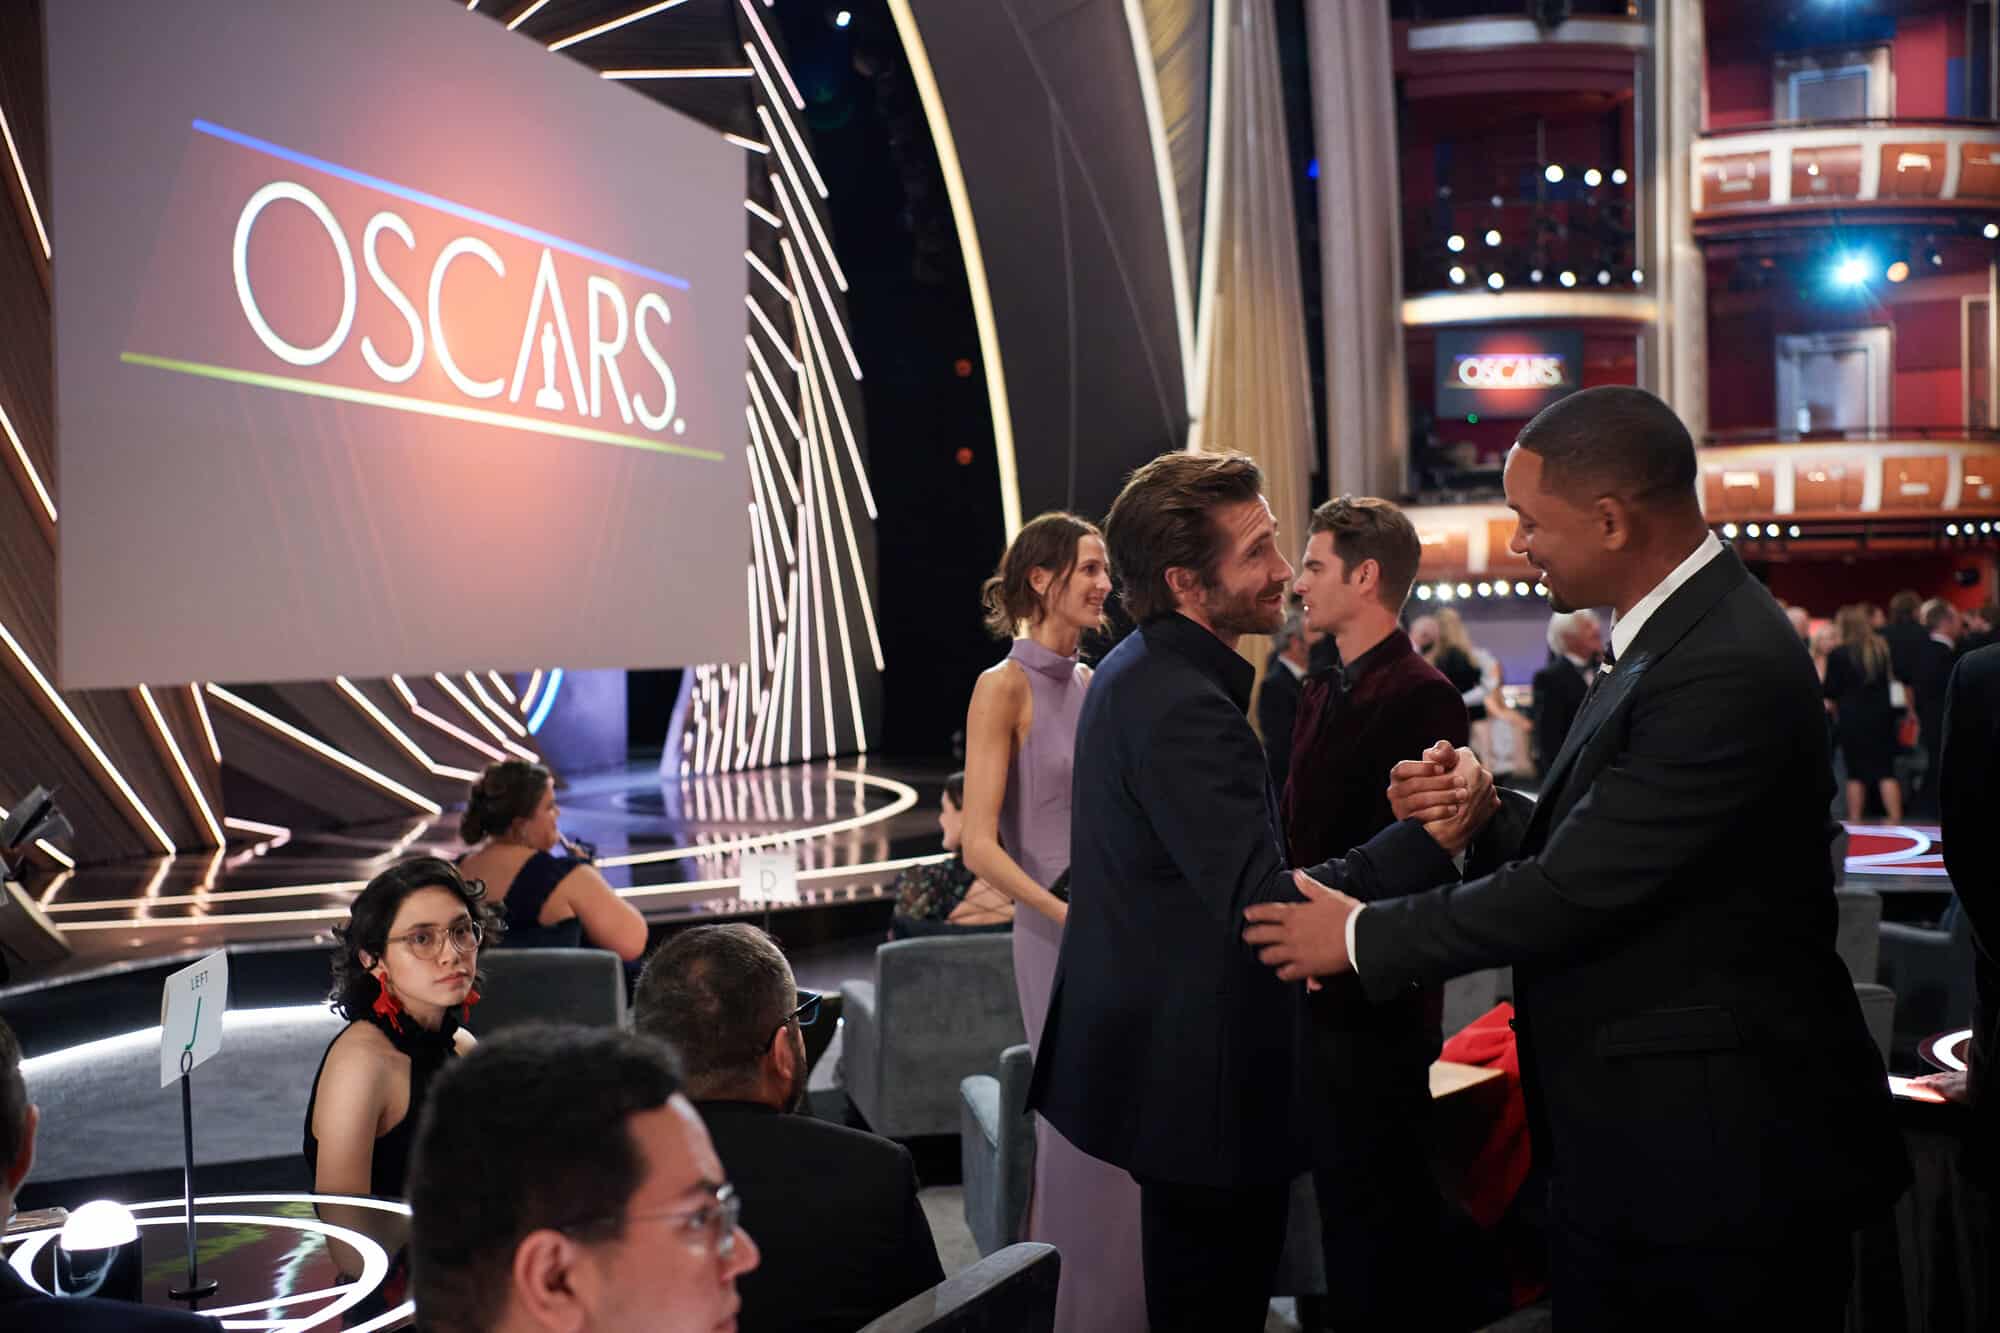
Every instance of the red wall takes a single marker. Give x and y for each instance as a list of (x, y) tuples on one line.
[(1824, 586), (1738, 86), (1924, 42)]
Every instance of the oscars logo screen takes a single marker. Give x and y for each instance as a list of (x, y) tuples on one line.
[(1500, 374)]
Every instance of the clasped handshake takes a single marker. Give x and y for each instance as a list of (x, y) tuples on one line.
[(1448, 789)]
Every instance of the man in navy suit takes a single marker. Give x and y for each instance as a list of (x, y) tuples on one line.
[(1700, 1084), (1168, 1050), (21, 1305)]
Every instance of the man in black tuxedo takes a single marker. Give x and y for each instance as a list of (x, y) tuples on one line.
[(1934, 659), (1278, 695), (1700, 1084), (1575, 640), (1969, 769), (1905, 635), (1168, 1050), (834, 1210), (21, 1305)]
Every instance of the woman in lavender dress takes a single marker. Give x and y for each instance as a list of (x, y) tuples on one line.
[(1020, 741)]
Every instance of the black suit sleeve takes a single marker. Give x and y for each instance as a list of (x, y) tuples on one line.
[(1277, 710), (1552, 716), (919, 1269), (1696, 752), (1965, 791)]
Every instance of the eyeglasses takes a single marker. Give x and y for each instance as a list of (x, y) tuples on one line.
[(713, 1224), (806, 1014), (427, 942)]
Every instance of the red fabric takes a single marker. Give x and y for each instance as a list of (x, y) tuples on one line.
[(1498, 1170)]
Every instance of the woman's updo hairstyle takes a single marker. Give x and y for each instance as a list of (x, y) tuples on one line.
[(1049, 541), (505, 792), (372, 914)]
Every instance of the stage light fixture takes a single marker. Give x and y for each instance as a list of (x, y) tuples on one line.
[(1985, 529), (1465, 590), (1495, 281), (842, 18), (1934, 257), (1897, 271), (1424, 593), (1541, 590), (1457, 275), (1492, 236), (1444, 592), (1618, 176), (1520, 589), (1754, 530), (1534, 275), (1501, 589), (1792, 531), (1497, 201), (1553, 174), (1729, 531), (1485, 590), (1951, 529), (1567, 279), (1852, 270), (1604, 277), (1454, 243), (1593, 178), (1991, 230)]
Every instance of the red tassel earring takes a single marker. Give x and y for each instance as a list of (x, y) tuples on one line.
[(471, 998), (387, 1005)]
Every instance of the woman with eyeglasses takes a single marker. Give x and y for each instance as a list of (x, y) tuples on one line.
[(405, 973)]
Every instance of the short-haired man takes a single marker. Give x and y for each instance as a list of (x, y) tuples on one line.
[(1699, 1080), (1979, 628), (1168, 1051), (21, 1305), (1575, 640), (1383, 1222), (1278, 695), (1935, 657), (834, 1210), (561, 1181), (1905, 634)]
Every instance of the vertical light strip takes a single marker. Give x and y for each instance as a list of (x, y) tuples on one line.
[(500, 684), (757, 442), (21, 175), (486, 724), (752, 577), (777, 394), (833, 390), (28, 466), (791, 127), (839, 489), (975, 260), (771, 49), (763, 554), (399, 736), (207, 727), (528, 695), (726, 752), (613, 24), (817, 560), (506, 718), (823, 463), (771, 431), (764, 271), (181, 765), (805, 203), (819, 285), (548, 702), (325, 751), (764, 321), (1211, 222), (110, 770), (808, 590), (791, 647), (1170, 199), (525, 15)]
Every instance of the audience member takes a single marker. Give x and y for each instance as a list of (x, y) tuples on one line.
[(1857, 683), (1801, 623), (1825, 643), (23, 1306), (1472, 672), (405, 971), (1935, 658), (1979, 628), (1968, 773), (1904, 634), (549, 901), (1575, 640), (1424, 637), (1701, 1084), (1384, 1224), (1278, 694), (1168, 1051), (563, 1184), (835, 1210), (1020, 743), (946, 894)]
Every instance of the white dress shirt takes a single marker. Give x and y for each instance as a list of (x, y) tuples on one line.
[(1624, 631)]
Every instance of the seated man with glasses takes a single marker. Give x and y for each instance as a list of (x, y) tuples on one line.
[(562, 1181), (835, 1210)]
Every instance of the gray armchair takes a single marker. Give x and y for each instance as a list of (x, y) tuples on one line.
[(548, 986), (996, 1149), (1878, 1011), (1013, 1291), (1858, 938), (935, 1013), (1931, 973)]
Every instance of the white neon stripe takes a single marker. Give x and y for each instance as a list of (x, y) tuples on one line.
[(905, 797), (805, 204), (616, 23), (817, 560), (771, 485), (699, 72), (21, 175), (833, 390), (728, 730), (325, 751), (399, 736), (818, 387), (28, 466), (767, 491), (207, 727), (458, 734), (777, 283), (1163, 179), (762, 557), (753, 576), (771, 50), (507, 719), (181, 765), (791, 127), (771, 437), (821, 447), (794, 628), (57, 702), (777, 394), (1211, 224), (764, 213), (975, 262), (819, 285), (525, 15), (751, 144), (252, 826), (528, 695), (772, 330), (485, 723)]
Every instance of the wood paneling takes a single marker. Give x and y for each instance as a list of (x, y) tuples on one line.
[(1444, 553), (1979, 171), (1979, 481), (1499, 532), (1914, 483), (1731, 490), (1728, 180), (1833, 172), (1825, 487), (1912, 170)]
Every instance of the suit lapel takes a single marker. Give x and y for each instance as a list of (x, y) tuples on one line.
[(1662, 630)]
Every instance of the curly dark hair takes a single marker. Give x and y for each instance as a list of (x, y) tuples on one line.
[(374, 911), (505, 792)]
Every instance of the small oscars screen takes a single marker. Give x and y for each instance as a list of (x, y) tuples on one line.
[(386, 341)]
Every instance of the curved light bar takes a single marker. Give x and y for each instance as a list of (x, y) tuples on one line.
[(1170, 201)]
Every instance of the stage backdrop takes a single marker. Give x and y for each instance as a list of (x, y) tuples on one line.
[(385, 343)]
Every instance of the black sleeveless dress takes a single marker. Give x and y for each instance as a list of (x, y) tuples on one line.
[(528, 894), (390, 1162)]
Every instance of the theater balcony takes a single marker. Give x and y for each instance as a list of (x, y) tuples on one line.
[(1878, 111)]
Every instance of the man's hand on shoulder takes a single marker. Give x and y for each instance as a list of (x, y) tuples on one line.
[(1303, 940)]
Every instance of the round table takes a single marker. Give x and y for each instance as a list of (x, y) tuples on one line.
[(1946, 1050), (272, 1255)]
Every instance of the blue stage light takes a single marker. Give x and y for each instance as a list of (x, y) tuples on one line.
[(1852, 270)]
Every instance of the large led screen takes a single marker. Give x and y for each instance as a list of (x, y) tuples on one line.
[(1504, 373), (386, 341)]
